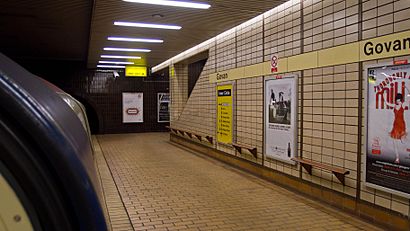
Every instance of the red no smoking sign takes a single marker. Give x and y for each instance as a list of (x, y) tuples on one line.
[(274, 63)]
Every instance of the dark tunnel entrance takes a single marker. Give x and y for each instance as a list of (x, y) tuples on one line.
[(92, 115)]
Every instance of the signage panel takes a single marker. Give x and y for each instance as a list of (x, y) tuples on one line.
[(224, 113), (134, 71)]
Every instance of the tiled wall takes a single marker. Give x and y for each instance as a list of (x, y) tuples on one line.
[(283, 30), (198, 115), (101, 94), (329, 110), (179, 90)]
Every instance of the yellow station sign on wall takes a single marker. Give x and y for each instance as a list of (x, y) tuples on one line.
[(224, 113), (135, 71)]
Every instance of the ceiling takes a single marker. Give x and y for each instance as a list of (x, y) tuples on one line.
[(45, 30), (77, 30)]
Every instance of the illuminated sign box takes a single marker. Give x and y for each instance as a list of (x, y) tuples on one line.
[(134, 71)]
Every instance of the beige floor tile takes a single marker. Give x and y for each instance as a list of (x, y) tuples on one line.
[(165, 187)]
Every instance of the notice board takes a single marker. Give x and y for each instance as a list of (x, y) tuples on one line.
[(224, 113)]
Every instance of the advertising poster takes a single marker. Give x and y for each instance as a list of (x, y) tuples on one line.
[(224, 114), (388, 117), (280, 118), (132, 107), (163, 107)]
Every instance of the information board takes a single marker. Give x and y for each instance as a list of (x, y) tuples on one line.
[(135, 71), (224, 113)]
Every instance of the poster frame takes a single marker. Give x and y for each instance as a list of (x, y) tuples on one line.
[(294, 116), (142, 117), (169, 104), (233, 83), (364, 142)]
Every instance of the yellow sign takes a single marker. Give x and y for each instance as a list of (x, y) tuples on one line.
[(386, 46), (135, 71), (224, 113), (172, 71), (393, 45)]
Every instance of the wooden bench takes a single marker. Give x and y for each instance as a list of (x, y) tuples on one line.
[(191, 134), (251, 149), (308, 164)]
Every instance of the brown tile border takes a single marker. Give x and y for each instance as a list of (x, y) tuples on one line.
[(388, 219)]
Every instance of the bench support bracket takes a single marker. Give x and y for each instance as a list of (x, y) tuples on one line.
[(307, 167)]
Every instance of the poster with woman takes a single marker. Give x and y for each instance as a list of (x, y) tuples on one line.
[(280, 118), (388, 118)]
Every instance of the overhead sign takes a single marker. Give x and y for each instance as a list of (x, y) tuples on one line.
[(132, 107), (388, 116), (280, 118), (135, 71), (224, 113)]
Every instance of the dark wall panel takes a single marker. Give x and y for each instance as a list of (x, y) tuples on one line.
[(101, 93), (194, 70)]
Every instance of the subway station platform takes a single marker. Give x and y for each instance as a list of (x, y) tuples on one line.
[(152, 184)]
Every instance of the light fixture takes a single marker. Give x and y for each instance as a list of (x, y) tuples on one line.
[(142, 40), (119, 57), (173, 3), (126, 49), (148, 25), (115, 62), (157, 15), (110, 66)]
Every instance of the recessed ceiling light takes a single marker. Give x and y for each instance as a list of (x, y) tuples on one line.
[(115, 62), (119, 57), (142, 40), (148, 25), (110, 66), (173, 3), (126, 49), (157, 15)]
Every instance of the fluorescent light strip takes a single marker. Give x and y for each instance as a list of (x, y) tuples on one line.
[(115, 62), (142, 40), (119, 57), (126, 49), (148, 25), (173, 3), (110, 66)]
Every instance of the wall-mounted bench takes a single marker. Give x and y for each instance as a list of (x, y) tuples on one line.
[(191, 134), (340, 173), (240, 147)]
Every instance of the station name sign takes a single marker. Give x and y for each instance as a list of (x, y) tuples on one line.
[(385, 47), (371, 48), (221, 76), (388, 46)]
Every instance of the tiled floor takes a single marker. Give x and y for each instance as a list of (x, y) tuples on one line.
[(164, 187)]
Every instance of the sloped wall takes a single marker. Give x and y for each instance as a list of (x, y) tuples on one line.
[(331, 123)]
